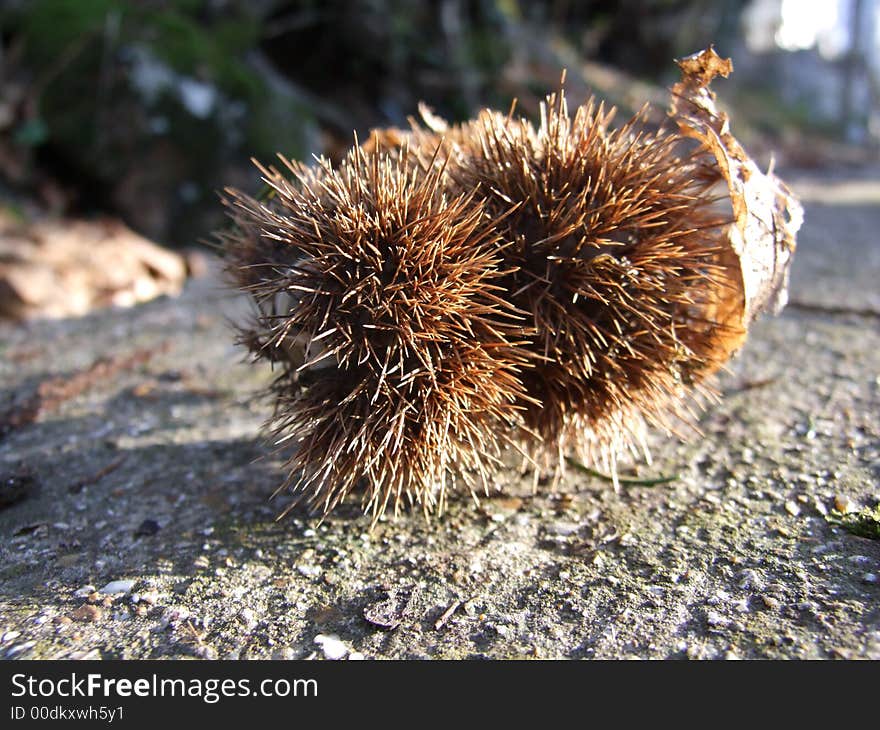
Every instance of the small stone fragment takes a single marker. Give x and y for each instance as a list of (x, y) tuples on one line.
[(118, 586), (332, 647), (87, 612), (843, 504), (147, 528)]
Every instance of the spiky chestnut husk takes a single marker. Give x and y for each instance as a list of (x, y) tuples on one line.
[(617, 253), (377, 293)]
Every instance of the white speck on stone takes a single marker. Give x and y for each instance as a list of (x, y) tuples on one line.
[(752, 580), (792, 508), (310, 571), (718, 598), (117, 586), (332, 647), (284, 653), (309, 533), (356, 656), (713, 618), (178, 613), (250, 620), (207, 652)]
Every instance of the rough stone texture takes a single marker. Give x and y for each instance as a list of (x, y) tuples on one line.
[(734, 559)]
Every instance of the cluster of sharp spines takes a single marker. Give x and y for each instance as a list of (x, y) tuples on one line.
[(440, 296)]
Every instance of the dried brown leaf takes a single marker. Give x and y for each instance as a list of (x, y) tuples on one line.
[(767, 216)]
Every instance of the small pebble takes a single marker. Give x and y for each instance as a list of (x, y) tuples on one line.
[(147, 528), (843, 504), (250, 620), (332, 647), (178, 613), (149, 597), (118, 586), (84, 591), (870, 578), (563, 529), (10, 636), (206, 652), (87, 612), (792, 508), (20, 648)]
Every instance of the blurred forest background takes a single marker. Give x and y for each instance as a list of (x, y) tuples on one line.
[(142, 111)]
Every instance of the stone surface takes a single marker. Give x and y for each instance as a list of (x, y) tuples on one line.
[(733, 559)]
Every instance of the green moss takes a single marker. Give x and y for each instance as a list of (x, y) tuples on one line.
[(175, 32), (865, 523)]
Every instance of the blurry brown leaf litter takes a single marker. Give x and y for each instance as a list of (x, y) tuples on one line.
[(66, 268), (448, 293)]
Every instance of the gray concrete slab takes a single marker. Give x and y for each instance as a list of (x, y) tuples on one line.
[(735, 558)]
